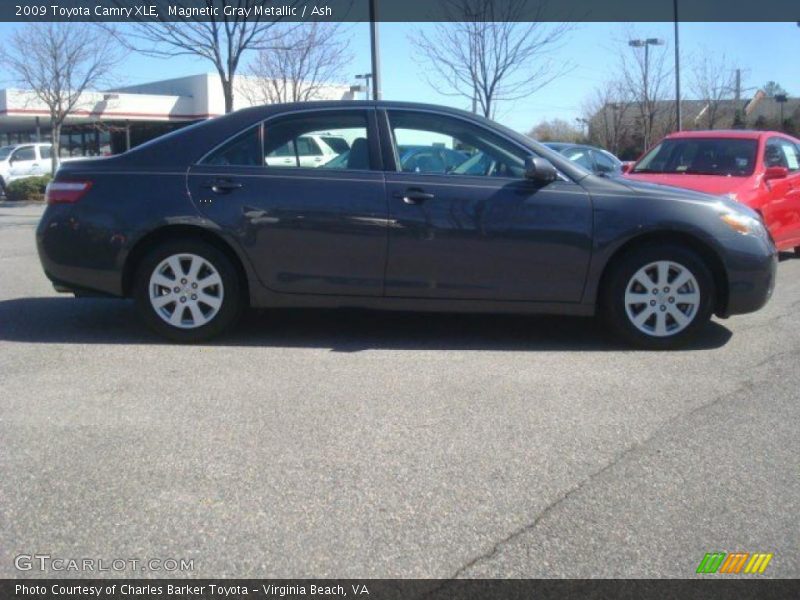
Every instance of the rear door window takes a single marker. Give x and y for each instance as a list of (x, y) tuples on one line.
[(243, 150), (291, 142), (344, 132)]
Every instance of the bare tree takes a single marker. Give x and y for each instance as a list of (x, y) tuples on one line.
[(59, 62), (556, 130), (772, 89), (485, 55), (646, 73), (608, 113), (712, 82), (222, 40), (308, 58)]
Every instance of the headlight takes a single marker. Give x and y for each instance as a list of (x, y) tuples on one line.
[(743, 224)]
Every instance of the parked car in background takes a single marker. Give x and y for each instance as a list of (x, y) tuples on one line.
[(596, 160), (24, 160), (197, 225), (308, 151), (760, 169)]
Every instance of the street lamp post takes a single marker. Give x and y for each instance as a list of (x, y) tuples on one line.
[(375, 49), (646, 43), (584, 126), (366, 77), (781, 100), (678, 116)]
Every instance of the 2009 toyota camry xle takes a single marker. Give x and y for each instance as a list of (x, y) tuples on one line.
[(324, 205)]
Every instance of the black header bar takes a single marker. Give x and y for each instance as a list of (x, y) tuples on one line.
[(400, 10), (399, 589)]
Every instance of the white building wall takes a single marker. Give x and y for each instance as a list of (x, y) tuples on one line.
[(200, 91), (207, 99), (95, 106)]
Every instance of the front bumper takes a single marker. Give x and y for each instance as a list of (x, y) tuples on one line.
[(752, 266)]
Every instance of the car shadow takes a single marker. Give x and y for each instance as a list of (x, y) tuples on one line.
[(67, 320)]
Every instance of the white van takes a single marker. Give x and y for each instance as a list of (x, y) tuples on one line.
[(24, 160)]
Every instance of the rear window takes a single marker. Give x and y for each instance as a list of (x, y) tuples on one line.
[(701, 156)]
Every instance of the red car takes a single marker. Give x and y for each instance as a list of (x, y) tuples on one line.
[(758, 168)]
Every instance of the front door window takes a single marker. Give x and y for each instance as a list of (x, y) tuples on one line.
[(430, 144)]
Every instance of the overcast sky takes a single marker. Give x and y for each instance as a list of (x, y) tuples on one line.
[(764, 51)]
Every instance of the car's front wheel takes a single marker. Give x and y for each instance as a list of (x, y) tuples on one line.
[(188, 291), (657, 297)]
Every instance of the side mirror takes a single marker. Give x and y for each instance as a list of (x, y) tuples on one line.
[(627, 166), (540, 169), (775, 173)]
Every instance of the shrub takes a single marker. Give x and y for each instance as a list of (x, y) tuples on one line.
[(27, 189)]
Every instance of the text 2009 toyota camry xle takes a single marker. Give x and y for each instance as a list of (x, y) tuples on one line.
[(249, 209)]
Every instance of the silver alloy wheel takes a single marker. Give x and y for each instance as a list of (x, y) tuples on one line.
[(186, 291), (662, 298)]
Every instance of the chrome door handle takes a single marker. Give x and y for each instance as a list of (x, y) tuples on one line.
[(223, 186), (414, 196)]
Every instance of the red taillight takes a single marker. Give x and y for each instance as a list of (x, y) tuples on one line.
[(59, 192)]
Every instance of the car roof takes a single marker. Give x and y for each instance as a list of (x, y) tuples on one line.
[(749, 134)]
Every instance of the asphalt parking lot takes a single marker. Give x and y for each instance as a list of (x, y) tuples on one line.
[(357, 444)]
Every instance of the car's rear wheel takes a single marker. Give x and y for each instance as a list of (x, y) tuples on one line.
[(657, 297), (188, 291)]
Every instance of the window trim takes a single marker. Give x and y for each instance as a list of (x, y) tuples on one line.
[(372, 140)]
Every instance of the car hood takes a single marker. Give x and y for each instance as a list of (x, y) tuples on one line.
[(710, 184), (674, 193)]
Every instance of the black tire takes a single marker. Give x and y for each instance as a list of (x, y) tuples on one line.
[(797, 251), (619, 277), (232, 301)]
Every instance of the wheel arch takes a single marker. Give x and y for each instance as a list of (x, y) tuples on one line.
[(180, 231), (707, 253)]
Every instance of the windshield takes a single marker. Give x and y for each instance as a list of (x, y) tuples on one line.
[(5, 151), (701, 156)]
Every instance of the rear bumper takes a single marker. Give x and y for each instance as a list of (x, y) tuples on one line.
[(78, 257)]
